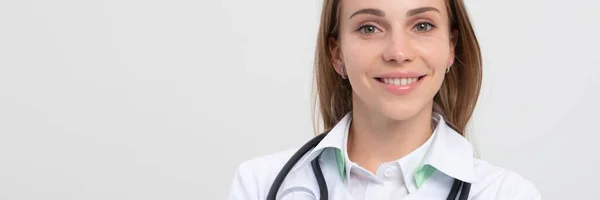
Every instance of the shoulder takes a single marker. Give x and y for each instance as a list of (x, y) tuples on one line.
[(494, 182), (266, 165), (254, 177)]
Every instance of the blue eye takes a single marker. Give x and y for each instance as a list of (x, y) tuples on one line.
[(368, 29), (424, 27)]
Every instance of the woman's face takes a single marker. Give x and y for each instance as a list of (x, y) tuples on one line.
[(395, 53)]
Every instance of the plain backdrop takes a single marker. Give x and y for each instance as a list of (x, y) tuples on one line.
[(132, 99)]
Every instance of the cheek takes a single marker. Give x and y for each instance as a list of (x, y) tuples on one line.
[(360, 57), (434, 52)]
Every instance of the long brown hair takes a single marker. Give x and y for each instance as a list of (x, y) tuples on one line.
[(456, 99)]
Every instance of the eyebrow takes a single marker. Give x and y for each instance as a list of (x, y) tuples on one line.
[(380, 13), (372, 11), (417, 11)]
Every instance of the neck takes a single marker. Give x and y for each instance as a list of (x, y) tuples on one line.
[(375, 139)]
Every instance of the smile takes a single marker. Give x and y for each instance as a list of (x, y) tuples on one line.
[(399, 81), (400, 85)]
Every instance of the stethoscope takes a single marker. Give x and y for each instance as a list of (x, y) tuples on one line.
[(316, 167)]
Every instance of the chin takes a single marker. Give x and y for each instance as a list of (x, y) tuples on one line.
[(401, 111)]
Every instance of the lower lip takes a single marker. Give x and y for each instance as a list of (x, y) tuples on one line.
[(400, 89)]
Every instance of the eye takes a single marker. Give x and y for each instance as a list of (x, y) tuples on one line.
[(368, 29), (424, 27)]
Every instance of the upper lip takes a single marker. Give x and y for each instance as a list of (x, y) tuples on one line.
[(400, 74)]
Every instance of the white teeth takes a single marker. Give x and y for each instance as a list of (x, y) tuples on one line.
[(399, 81)]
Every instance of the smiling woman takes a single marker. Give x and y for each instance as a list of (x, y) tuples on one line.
[(397, 83)]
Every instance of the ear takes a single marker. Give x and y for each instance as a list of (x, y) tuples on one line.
[(453, 41), (337, 59)]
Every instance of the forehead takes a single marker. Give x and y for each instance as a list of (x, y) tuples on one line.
[(390, 7)]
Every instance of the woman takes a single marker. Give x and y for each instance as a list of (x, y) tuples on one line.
[(397, 82)]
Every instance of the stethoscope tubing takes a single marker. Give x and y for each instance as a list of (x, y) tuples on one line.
[(316, 167), (290, 164)]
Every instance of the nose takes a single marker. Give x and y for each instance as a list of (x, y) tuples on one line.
[(398, 49)]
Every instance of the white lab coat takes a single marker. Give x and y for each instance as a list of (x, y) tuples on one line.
[(450, 153)]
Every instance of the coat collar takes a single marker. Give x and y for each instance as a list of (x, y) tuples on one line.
[(335, 139), (449, 152)]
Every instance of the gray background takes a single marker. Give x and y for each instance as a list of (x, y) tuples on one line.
[(132, 99)]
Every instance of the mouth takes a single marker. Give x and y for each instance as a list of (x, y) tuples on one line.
[(399, 81)]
